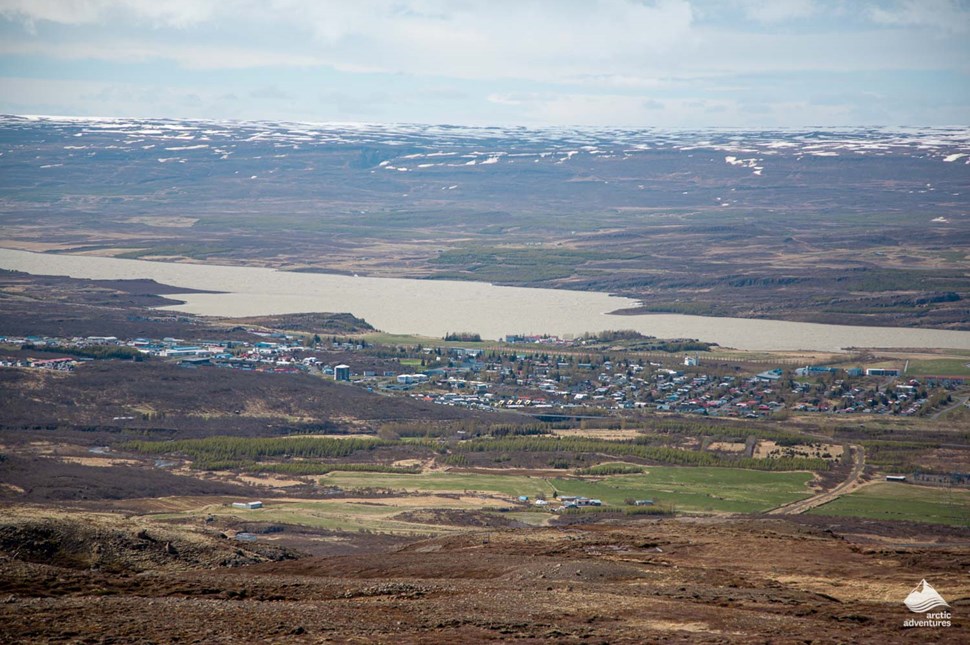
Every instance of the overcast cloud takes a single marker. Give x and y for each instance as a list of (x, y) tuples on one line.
[(663, 63)]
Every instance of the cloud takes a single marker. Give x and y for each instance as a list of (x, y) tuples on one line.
[(614, 109), (71, 13), (942, 15), (270, 92), (188, 56), (497, 39), (649, 62), (526, 39), (609, 45), (777, 11), (98, 98), (174, 13)]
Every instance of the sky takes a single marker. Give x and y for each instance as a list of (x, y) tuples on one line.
[(535, 63)]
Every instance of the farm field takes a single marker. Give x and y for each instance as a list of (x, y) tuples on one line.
[(441, 503), (939, 367), (715, 490), (888, 501), (687, 489), (389, 515)]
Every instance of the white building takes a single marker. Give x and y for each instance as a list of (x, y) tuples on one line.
[(410, 379)]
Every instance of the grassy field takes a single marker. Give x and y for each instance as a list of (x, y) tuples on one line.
[(374, 515), (689, 489), (696, 489), (511, 485), (381, 338), (939, 367), (886, 501)]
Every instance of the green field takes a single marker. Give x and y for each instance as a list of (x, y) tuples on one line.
[(686, 489), (730, 490), (381, 338), (893, 501), (697, 489), (511, 485), (939, 367)]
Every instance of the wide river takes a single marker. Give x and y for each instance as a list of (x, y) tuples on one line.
[(434, 308)]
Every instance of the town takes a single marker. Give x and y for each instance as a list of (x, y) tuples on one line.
[(540, 375)]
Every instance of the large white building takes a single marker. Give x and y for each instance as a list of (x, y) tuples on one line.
[(410, 379)]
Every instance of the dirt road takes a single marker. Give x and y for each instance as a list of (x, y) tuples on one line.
[(961, 401), (852, 482)]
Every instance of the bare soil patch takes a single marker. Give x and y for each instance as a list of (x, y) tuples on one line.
[(767, 449)]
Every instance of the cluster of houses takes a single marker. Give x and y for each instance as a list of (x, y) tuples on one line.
[(907, 398), (564, 502), (473, 401), (572, 383), (276, 353), (57, 364), (541, 383)]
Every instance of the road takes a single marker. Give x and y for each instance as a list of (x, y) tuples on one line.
[(961, 401), (851, 483)]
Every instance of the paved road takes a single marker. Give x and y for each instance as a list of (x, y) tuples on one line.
[(852, 482)]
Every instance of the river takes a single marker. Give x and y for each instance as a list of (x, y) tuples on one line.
[(434, 307)]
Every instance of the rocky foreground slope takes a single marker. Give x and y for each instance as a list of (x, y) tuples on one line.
[(689, 580)]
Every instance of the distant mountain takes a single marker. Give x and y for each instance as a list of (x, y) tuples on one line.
[(51, 158)]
